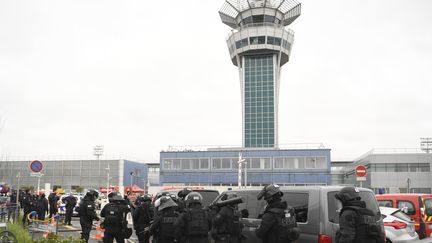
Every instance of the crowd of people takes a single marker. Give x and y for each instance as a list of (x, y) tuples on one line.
[(182, 218)]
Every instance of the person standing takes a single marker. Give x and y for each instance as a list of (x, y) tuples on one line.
[(162, 228), (142, 216), (42, 207), (52, 200), (357, 224), (181, 198), (278, 223), (70, 203), (194, 223), (87, 213), (226, 227), (115, 223), (25, 202)]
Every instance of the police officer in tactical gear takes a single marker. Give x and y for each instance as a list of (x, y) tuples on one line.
[(278, 222), (194, 223), (162, 228), (70, 203), (142, 216), (181, 198), (226, 226), (87, 213), (357, 223), (115, 223), (25, 202)]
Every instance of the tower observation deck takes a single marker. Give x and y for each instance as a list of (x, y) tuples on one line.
[(259, 45)]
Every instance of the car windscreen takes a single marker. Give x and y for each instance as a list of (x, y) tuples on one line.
[(208, 197), (367, 197), (399, 214), (428, 206)]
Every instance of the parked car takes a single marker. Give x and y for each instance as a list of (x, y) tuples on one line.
[(416, 205), (399, 227), (61, 204), (317, 211), (208, 195)]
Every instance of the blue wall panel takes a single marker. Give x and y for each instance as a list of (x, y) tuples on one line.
[(140, 178)]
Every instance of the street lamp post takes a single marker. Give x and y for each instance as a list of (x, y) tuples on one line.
[(108, 178), (18, 188), (98, 151)]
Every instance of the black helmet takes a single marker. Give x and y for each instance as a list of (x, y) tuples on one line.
[(115, 196), (147, 198), (183, 193), (142, 199), (164, 202), (92, 193), (348, 193), (193, 197), (269, 192), (163, 194)]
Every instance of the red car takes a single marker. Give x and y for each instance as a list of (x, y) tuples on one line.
[(416, 205)]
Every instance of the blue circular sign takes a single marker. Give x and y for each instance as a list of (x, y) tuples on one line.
[(36, 166)]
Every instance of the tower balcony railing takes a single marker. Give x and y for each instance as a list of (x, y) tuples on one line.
[(254, 25)]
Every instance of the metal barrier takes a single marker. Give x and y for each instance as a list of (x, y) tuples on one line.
[(9, 212), (45, 227)]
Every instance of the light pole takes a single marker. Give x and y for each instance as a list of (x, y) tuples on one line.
[(98, 151), (18, 188), (108, 177), (131, 175)]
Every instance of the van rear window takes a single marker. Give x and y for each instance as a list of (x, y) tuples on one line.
[(367, 197), (385, 203)]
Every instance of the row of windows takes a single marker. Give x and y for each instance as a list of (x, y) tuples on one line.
[(259, 40), (261, 125), (403, 167), (252, 109), (252, 163), (262, 18)]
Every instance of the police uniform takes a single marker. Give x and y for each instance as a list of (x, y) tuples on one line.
[(162, 228), (25, 201), (142, 216), (115, 219), (52, 200), (357, 224), (70, 203), (226, 225), (194, 223), (278, 222), (87, 213)]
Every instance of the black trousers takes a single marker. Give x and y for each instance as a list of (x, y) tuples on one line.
[(24, 219), (68, 216), (143, 236), (85, 234), (109, 237)]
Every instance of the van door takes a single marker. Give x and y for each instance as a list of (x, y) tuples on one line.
[(427, 201)]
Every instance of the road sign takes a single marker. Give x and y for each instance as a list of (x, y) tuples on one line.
[(36, 166), (361, 178), (361, 171)]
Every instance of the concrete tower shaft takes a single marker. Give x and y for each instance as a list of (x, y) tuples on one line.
[(259, 45)]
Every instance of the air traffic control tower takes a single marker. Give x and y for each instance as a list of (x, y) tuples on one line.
[(259, 45)]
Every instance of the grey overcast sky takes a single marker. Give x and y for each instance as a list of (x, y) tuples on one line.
[(138, 76)]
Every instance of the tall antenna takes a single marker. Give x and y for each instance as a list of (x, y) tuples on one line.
[(426, 144)]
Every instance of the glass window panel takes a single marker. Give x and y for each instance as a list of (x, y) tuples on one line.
[(261, 39), (278, 163), (424, 167), (176, 164), (300, 162), (204, 163), (255, 163), (321, 162), (226, 163), (195, 164), (185, 164), (401, 167), (216, 163), (380, 167), (310, 162), (391, 167), (265, 163), (290, 163), (234, 163)]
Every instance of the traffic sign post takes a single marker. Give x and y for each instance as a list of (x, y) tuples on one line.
[(361, 173), (35, 170)]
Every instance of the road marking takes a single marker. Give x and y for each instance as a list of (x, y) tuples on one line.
[(70, 227)]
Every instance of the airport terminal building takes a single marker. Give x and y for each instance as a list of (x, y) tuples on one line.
[(219, 167), (394, 170), (72, 173)]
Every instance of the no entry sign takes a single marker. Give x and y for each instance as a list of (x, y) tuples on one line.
[(361, 171), (36, 166)]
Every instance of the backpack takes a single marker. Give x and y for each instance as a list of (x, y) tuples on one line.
[(113, 217), (287, 230), (197, 223), (166, 230), (366, 225)]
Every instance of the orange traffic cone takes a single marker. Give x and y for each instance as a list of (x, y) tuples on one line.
[(99, 234)]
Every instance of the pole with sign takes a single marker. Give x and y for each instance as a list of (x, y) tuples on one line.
[(36, 167), (361, 173)]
